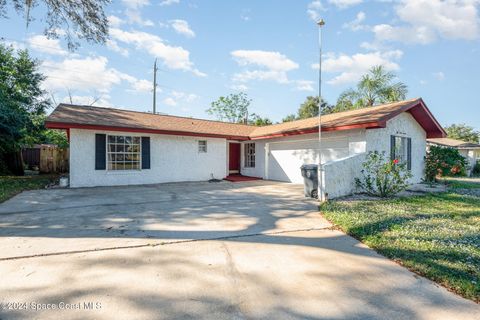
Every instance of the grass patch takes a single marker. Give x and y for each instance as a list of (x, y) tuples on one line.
[(12, 185), (462, 183), (437, 236)]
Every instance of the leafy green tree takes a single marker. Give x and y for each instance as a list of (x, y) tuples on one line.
[(309, 109), (257, 120), (290, 117), (22, 100), (463, 132), (232, 108), (79, 19), (376, 87)]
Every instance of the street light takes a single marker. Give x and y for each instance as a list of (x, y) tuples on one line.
[(321, 194)]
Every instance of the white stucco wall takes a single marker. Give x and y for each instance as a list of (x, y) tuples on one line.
[(406, 126), (281, 158), (339, 175), (471, 156), (172, 159)]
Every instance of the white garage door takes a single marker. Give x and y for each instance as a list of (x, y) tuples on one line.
[(285, 158)]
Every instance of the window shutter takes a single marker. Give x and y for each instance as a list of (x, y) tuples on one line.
[(145, 152), (100, 151), (409, 153), (392, 148)]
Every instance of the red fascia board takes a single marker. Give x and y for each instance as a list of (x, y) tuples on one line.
[(63, 125), (435, 131), (369, 125)]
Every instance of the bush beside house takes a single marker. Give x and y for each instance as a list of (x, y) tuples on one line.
[(444, 162)]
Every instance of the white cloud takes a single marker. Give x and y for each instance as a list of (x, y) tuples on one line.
[(135, 4), (113, 45), (182, 27), (86, 74), (351, 68), (424, 21), (439, 75), (169, 2), (134, 17), (114, 21), (170, 102), (356, 24), (179, 97), (142, 85), (342, 4), (93, 100), (239, 87), (314, 8), (173, 57), (269, 59), (41, 43), (304, 85), (269, 65)]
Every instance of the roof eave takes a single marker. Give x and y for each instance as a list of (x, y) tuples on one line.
[(66, 125)]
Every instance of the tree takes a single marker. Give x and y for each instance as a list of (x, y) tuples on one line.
[(257, 120), (374, 88), (309, 109), (80, 19), (463, 132), (290, 117), (232, 108), (22, 100)]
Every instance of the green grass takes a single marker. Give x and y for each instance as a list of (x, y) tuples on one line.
[(437, 236), (12, 185), (464, 183)]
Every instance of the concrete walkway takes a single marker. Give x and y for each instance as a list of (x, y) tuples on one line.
[(255, 250)]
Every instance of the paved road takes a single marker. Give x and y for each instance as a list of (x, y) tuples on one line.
[(255, 250)]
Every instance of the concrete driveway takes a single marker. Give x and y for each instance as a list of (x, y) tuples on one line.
[(255, 250)]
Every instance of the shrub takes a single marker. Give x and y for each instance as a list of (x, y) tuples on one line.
[(441, 161), (382, 177)]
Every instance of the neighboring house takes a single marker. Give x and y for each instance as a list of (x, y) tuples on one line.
[(119, 147), (471, 151)]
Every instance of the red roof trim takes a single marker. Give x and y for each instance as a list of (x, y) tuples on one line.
[(64, 125), (369, 125), (436, 131)]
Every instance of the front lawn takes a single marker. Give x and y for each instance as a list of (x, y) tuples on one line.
[(12, 185), (462, 183), (437, 236)]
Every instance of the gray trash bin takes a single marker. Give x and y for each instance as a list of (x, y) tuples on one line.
[(310, 180)]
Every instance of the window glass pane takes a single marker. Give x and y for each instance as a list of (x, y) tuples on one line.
[(123, 154)]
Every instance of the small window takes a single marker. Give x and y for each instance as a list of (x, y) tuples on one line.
[(401, 150), (249, 155), (123, 153), (202, 146)]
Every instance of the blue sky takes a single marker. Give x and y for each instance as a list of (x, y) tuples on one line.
[(268, 49)]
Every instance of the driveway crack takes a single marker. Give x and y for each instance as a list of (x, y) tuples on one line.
[(163, 243)]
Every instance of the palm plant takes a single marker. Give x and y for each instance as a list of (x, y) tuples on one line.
[(374, 88)]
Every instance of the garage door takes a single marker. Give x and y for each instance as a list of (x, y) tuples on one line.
[(285, 158)]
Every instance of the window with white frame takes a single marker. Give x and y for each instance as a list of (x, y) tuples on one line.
[(123, 153), (202, 146), (401, 150), (249, 152)]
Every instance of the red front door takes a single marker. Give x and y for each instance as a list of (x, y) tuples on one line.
[(234, 158)]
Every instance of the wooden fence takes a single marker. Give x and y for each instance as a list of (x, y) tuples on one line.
[(47, 158)]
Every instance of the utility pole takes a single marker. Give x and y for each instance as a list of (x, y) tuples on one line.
[(155, 69), (321, 188)]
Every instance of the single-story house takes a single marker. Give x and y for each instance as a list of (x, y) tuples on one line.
[(120, 147), (471, 151)]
